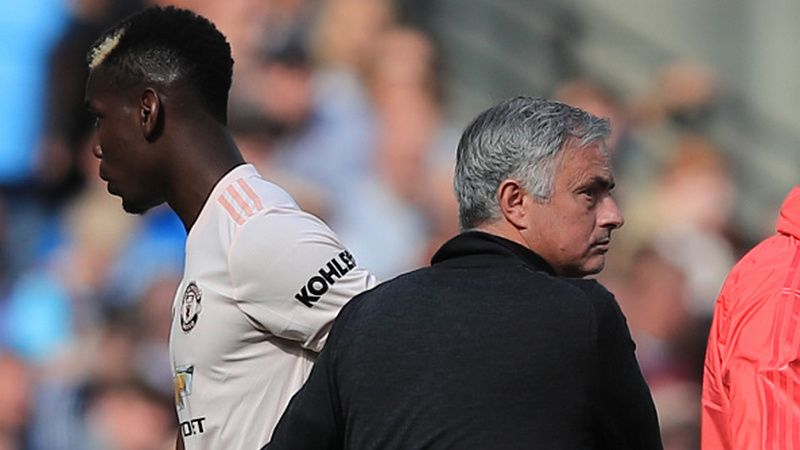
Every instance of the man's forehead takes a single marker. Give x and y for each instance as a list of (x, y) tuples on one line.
[(93, 84), (99, 86), (586, 164)]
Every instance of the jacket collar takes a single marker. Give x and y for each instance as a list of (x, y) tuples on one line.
[(481, 244), (789, 218)]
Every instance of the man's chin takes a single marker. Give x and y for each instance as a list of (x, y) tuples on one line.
[(595, 266), (592, 267), (135, 208)]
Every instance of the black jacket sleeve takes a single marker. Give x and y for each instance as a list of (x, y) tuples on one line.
[(313, 419), (624, 411)]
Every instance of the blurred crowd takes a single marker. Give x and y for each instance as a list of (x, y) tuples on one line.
[(342, 103)]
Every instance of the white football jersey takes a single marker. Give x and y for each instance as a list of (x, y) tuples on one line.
[(262, 285)]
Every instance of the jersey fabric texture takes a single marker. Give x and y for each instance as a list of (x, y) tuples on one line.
[(262, 283), (485, 349), (751, 382)]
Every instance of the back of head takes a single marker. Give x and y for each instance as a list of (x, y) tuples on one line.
[(520, 138), (165, 46)]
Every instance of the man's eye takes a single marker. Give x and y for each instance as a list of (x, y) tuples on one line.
[(96, 121), (589, 196)]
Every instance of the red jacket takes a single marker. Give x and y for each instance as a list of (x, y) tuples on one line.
[(751, 383)]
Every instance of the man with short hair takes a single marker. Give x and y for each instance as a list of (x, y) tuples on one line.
[(263, 280), (499, 343)]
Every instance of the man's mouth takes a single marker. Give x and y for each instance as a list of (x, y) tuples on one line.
[(602, 244), (109, 187)]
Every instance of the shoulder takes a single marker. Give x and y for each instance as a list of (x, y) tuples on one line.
[(601, 300), (286, 233), (589, 288), (401, 285), (390, 288), (259, 224), (246, 197), (764, 269), (264, 216), (586, 291)]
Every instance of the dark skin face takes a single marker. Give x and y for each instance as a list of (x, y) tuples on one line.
[(158, 144), (125, 128)]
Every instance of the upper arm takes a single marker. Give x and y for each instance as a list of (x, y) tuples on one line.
[(314, 417), (291, 275), (714, 404)]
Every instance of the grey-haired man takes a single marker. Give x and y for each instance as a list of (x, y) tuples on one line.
[(499, 343)]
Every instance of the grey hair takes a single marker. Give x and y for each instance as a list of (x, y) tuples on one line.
[(522, 139)]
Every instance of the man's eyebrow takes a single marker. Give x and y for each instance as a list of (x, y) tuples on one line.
[(597, 181)]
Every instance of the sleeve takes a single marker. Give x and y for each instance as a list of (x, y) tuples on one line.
[(291, 276), (624, 410), (714, 422), (314, 418), (756, 387)]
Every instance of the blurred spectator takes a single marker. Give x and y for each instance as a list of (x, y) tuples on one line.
[(684, 94), (28, 31), (129, 416), (678, 406), (653, 298), (600, 100), (682, 100), (17, 385), (151, 359), (67, 122), (630, 163), (109, 354), (653, 294), (103, 258), (346, 30), (34, 209), (334, 146), (383, 215), (686, 212), (241, 21), (274, 107), (52, 301)]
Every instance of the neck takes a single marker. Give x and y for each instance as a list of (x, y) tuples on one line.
[(200, 161), (505, 230)]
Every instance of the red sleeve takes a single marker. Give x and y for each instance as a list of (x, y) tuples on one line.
[(715, 433)]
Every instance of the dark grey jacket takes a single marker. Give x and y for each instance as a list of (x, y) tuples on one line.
[(485, 349)]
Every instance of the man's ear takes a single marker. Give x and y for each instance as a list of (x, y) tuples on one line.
[(150, 112), (513, 200)]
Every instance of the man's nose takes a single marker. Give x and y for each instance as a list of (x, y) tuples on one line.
[(611, 215), (94, 142), (97, 150)]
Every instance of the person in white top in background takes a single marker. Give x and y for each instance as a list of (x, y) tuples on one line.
[(263, 280)]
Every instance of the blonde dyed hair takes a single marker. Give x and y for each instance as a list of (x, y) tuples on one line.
[(101, 51)]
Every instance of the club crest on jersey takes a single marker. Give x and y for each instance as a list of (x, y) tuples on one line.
[(190, 306)]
